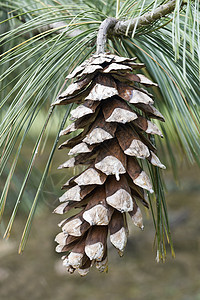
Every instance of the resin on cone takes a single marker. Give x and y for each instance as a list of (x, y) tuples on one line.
[(112, 114)]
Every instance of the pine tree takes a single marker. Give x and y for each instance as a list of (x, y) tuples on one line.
[(39, 46)]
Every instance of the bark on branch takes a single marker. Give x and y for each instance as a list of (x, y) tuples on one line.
[(113, 27), (146, 19), (105, 26)]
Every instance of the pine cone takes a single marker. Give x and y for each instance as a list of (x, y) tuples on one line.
[(111, 141)]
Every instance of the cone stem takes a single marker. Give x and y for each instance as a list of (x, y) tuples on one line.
[(102, 33)]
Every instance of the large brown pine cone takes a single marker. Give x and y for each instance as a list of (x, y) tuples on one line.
[(113, 117)]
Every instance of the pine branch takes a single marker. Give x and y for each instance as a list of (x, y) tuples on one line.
[(118, 27), (105, 26), (113, 27), (146, 19)]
